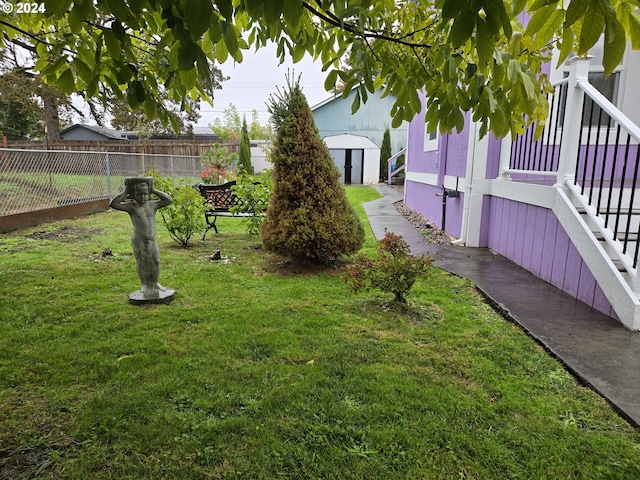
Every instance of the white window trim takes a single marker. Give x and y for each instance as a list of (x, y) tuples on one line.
[(430, 144)]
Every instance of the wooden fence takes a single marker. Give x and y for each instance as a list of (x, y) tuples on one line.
[(191, 147)]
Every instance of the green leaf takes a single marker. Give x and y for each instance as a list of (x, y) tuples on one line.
[(355, 105), (298, 52), (225, 7), (272, 11), (66, 82), (541, 3), (118, 8), (549, 30), (84, 72), (513, 70), (135, 94), (330, 81), (613, 48), (187, 53), (485, 43), (112, 44), (292, 12), (197, 17), (539, 18), (528, 85), (462, 28), (566, 45), (230, 35), (634, 31), (150, 108), (119, 31), (75, 21), (189, 78), (255, 8), (221, 52), (592, 27), (451, 8), (57, 7), (518, 7), (54, 67), (215, 31), (575, 11)]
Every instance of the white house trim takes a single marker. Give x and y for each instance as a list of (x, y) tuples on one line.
[(420, 177), (475, 187)]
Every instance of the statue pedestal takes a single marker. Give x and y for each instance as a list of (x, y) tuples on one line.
[(161, 296)]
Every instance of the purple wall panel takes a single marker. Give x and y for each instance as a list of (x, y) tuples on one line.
[(552, 256), (573, 272), (512, 229), (548, 246), (485, 227), (493, 157), (540, 219), (417, 159), (529, 239), (560, 254), (601, 303), (455, 157), (495, 210), (455, 207), (521, 233), (422, 198)]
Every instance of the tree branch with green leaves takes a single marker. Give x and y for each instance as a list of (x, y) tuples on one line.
[(470, 58)]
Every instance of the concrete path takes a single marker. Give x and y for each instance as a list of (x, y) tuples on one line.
[(594, 347)]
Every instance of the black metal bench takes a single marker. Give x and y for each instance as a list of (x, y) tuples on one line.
[(220, 199)]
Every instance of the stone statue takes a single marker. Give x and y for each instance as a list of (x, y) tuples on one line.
[(135, 200)]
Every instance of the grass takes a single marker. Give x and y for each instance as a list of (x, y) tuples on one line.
[(261, 369)]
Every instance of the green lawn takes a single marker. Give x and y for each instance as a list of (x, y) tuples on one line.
[(262, 369)]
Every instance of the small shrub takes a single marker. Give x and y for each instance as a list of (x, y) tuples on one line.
[(394, 272), (254, 193), (185, 216), (218, 162)]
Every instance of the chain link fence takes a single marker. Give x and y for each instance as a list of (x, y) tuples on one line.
[(33, 180)]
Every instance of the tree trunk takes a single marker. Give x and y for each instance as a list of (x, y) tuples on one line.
[(51, 119)]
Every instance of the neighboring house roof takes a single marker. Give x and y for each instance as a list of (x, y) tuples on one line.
[(93, 132), (333, 116)]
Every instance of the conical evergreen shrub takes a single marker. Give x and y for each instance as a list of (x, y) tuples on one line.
[(244, 154), (309, 216), (385, 155)]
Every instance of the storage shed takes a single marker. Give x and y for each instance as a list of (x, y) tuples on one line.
[(357, 157)]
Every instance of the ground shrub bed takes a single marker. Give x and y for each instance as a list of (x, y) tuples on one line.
[(261, 368)]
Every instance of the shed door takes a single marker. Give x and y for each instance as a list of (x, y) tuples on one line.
[(350, 162)]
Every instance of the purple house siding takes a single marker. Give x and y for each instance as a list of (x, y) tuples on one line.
[(417, 160), (532, 237), (493, 156), (455, 157)]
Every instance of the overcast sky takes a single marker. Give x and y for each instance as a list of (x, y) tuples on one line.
[(253, 80)]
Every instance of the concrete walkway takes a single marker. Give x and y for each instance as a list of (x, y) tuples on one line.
[(594, 347)]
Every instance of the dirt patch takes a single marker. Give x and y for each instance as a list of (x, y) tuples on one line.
[(285, 266), (65, 234), (24, 463)]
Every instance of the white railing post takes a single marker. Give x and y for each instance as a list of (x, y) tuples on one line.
[(505, 158), (572, 123)]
